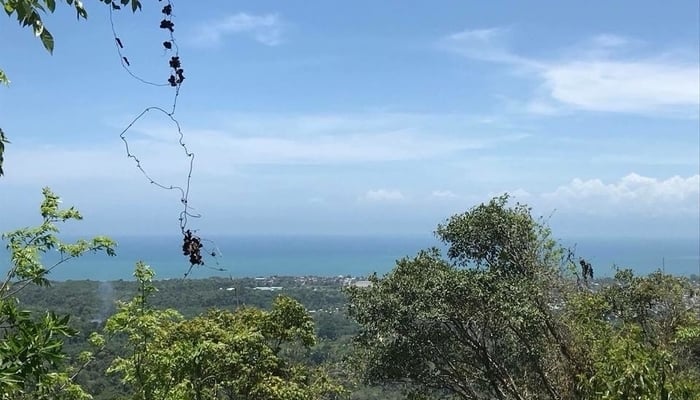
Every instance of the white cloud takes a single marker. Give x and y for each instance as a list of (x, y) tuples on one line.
[(595, 76), (656, 157), (330, 149), (332, 139), (65, 162), (382, 195), (541, 107), (481, 44), (521, 194), (261, 139), (631, 194), (444, 194), (623, 86), (266, 29), (609, 40)]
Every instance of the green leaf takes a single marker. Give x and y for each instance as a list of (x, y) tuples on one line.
[(38, 27), (9, 8), (3, 140), (51, 4), (80, 10), (47, 40)]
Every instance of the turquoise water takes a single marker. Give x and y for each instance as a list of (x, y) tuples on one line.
[(345, 255)]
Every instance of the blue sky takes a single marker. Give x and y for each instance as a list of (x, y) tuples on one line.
[(363, 117)]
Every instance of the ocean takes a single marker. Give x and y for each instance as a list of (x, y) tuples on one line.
[(248, 256)]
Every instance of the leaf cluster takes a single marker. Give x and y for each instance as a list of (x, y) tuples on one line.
[(503, 317), (640, 334), (31, 348), (28, 13), (476, 323), (218, 354)]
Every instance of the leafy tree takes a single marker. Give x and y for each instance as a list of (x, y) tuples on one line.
[(506, 316), (480, 323), (217, 355), (639, 332), (31, 356)]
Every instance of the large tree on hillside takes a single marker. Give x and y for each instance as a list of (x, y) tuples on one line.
[(505, 316), (479, 323)]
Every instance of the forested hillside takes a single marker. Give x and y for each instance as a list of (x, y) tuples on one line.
[(343, 133), (507, 314), (90, 303)]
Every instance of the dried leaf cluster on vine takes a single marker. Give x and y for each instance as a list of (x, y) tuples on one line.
[(175, 65), (177, 74), (192, 247)]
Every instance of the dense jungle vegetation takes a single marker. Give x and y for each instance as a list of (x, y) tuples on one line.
[(506, 313)]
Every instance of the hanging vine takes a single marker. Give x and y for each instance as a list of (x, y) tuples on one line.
[(192, 246)]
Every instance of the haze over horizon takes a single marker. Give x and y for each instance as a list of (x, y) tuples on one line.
[(363, 118)]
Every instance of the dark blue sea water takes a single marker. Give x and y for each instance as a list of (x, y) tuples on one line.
[(241, 256)]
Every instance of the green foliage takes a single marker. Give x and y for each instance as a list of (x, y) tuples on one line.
[(89, 305), (477, 324), (27, 245), (28, 14), (504, 317), (639, 333), (3, 139), (219, 354), (31, 349), (587, 320)]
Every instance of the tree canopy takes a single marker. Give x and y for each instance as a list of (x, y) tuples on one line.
[(221, 354), (505, 315), (218, 355), (31, 349)]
